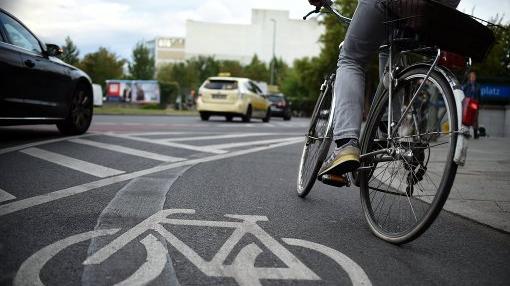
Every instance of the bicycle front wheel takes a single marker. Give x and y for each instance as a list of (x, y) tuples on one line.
[(406, 181), (317, 141)]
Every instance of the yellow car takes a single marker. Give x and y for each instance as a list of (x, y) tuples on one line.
[(232, 97)]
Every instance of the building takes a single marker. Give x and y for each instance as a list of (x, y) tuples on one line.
[(293, 39), (167, 50)]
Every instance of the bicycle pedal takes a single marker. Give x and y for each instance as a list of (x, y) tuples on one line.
[(335, 180)]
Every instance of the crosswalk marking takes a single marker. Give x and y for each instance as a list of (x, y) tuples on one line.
[(5, 196), (72, 163), (213, 137), (126, 150), (251, 143), (203, 149)]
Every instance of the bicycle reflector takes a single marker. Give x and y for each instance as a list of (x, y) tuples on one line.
[(452, 61), (470, 111)]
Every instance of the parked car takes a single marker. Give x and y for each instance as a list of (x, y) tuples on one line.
[(36, 86), (232, 97), (280, 106)]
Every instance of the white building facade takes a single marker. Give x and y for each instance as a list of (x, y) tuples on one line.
[(294, 38)]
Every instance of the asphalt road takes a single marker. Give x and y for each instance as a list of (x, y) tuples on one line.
[(177, 201)]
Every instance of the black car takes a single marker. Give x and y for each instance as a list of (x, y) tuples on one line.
[(38, 88), (280, 106)]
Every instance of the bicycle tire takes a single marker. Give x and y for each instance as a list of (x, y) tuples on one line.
[(447, 178), (313, 164)]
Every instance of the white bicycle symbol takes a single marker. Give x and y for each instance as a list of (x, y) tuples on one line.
[(242, 269)]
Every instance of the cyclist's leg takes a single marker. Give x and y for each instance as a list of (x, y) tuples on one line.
[(362, 41), (364, 36)]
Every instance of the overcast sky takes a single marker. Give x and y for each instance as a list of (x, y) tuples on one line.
[(119, 24)]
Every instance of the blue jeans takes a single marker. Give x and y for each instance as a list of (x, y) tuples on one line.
[(363, 39)]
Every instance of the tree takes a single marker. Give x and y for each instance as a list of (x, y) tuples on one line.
[(71, 52), (234, 68), (257, 70), (102, 65), (142, 65), (497, 63), (281, 69)]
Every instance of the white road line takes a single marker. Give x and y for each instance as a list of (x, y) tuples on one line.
[(252, 143), (154, 133), (213, 137), (5, 196), (126, 150), (72, 163), (17, 148), (355, 272), (64, 193), (203, 149)]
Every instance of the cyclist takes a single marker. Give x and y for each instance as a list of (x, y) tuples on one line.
[(364, 36)]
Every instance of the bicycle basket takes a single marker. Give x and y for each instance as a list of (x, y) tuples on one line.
[(440, 25)]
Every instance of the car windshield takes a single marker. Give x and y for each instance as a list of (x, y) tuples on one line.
[(221, 84), (275, 98)]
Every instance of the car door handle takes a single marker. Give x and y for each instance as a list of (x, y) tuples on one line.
[(29, 63)]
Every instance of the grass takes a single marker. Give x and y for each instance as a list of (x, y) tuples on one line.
[(132, 109)]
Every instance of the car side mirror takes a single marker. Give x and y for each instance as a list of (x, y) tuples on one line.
[(54, 50)]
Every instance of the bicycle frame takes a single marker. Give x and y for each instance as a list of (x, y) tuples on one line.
[(393, 126)]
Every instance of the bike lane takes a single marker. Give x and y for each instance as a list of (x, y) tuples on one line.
[(453, 251)]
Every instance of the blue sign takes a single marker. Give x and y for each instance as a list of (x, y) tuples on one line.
[(495, 93)]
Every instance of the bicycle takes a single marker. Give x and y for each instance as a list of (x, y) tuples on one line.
[(415, 136)]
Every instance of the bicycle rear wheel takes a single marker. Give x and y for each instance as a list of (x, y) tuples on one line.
[(405, 185), (317, 141)]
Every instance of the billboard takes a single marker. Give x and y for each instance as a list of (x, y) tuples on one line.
[(133, 91)]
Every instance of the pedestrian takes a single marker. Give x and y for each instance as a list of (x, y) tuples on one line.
[(472, 90)]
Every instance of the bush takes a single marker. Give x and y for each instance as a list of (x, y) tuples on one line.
[(302, 107), (168, 92)]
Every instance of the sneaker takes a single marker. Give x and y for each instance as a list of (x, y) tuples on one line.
[(344, 159)]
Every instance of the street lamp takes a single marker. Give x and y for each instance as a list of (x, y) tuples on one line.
[(274, 53)]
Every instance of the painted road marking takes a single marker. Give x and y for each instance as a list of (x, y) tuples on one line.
[(25, 146), (154, 133), (214, 137), (355, 272), (126, 150), (28, 273), (252, 143), (242, 269), (138, 200), (5, 196), (72, 163), (64, 193), (202, 149)]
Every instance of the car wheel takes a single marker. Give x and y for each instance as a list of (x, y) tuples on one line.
[(247, 116), (229, 118), (204, 116), (268, 116), (80, 113)]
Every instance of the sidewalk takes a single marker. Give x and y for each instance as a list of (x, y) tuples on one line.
[(481, 191)]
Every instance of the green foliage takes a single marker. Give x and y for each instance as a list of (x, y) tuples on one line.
[(257, 70), (168, 92), (234, 68), (142, 65), (102, 65), (497, 64), (71, 52)]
